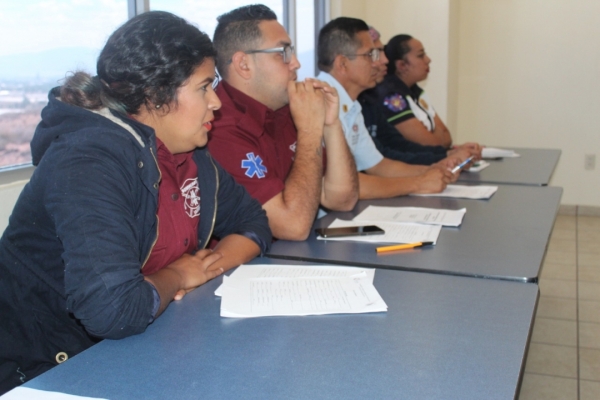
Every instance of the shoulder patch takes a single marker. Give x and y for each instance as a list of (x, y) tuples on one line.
[(423, 103), (253, 166), (395, 103)]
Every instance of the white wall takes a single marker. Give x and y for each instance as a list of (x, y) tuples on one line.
[(529, 76), (510, 73)]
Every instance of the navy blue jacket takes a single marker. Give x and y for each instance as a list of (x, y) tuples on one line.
[(389, 141), (83, 228)]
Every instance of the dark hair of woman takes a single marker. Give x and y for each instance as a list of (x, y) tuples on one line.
[(144, 62), (395, 50)]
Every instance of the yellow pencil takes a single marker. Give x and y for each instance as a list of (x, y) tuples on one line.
[(403, 246)]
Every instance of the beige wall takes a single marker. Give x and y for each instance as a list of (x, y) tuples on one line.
[(510, 73)]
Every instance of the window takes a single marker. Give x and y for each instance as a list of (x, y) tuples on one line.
[(42, 40), (205, 13)]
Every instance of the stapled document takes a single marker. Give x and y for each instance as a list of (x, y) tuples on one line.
[(431, 216), (492, 152), (277, 290), (480, 192)]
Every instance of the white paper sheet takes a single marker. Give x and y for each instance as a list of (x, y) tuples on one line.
[(394, 232), (270, 290), (492, 152), (478, 166), (464, 192), (432, 216), (24, 393)]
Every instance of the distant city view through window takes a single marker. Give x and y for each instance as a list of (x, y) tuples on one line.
[(42, 41)]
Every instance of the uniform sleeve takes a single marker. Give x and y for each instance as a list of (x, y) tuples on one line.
[(393, 145), (242, 157), (93, 200), (396, 107)]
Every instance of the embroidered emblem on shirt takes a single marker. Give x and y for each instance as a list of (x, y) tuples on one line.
[(424, 104), (191, 195), (395, 103), (293, 147), (253, 165), (355, 128), (345, 108)]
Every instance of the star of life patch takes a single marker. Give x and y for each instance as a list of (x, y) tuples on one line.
[(253, 166), (395, 103)]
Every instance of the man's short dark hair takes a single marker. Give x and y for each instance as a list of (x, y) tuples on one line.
[(238, 30), (337, 37)]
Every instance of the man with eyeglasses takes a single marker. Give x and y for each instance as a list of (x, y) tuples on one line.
[(270, 131), (350, 62)]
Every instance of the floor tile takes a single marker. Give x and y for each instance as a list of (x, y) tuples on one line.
[(588, 223), (587, 290), (589, 390), (568, 246), (558, 288), (589, 335), (547, 359), (587, 274), (589, 259), (538, 387), (565, 222), (589, 364), (561, 257), (557, 308), (563, 234), (582, 246), (559, 271), (589, 311), (585, 235), (554, 331)]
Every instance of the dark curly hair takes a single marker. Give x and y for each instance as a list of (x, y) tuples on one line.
[(396, 49), (238, 30), (143, 63)]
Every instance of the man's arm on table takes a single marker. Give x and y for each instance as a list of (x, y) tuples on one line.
[(340, 181), (379, 182)]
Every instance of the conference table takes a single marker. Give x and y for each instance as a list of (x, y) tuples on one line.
[(533, 167), (504, 237), (443, 337)]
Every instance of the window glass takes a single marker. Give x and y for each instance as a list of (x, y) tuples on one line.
[(42, 40), (205, 13), (305, 38)]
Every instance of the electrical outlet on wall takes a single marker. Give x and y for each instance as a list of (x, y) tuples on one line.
[(589, 162)]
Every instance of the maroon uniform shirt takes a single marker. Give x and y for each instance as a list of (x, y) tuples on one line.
[(255, 144), (178, 209)]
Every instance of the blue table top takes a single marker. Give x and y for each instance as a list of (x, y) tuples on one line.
[(443, 337), (501, 238), (534, 167)]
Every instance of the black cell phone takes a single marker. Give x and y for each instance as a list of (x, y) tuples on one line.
[(350, 231)]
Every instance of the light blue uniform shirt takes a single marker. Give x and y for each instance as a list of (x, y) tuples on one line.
[(361, 145)]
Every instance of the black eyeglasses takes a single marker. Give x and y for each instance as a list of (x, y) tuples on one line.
[(286, 52), (374, 54)]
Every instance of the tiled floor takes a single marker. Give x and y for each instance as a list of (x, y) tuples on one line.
[(564, 354)]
